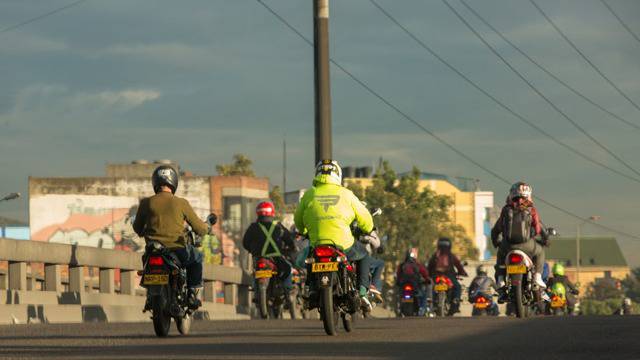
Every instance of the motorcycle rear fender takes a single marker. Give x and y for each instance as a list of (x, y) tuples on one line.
[(154, 290), (330, 279), (527, 260)]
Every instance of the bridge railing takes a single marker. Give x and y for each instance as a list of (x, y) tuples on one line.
[(55, 257)]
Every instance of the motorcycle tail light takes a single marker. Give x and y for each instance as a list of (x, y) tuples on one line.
[(262, 265), (408, 288), (324, 259), (349, 267), (515, 259), (156, 260), (481, 300), (555, 298), (325, 251)]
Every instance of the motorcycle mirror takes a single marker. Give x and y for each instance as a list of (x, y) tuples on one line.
[(465, 263), (552, 232), (212, 219), (376, 212)]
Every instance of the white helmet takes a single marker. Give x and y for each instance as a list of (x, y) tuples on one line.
[(329, 169), (520, 189)]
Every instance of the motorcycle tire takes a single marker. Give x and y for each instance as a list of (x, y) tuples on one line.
[(441, 301), (347, 321), (293, 306), (407, 309), (262, 301), (161, 317), (520, 307), (329, 314), (183, 324)]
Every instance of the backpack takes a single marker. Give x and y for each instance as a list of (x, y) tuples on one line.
[(409, 272), (518, 225)]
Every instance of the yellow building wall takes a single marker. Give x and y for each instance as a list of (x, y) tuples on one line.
[(462, 211)]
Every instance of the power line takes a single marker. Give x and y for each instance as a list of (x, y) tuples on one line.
[(545, 70), (538, 92), (624, 25), (39, 17), (496, 100), (431, 133), (583, 56)]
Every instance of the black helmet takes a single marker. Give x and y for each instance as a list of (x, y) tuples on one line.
[(165, 175), (444, 243)]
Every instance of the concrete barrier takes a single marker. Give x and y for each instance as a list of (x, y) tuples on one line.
[(74, 298)]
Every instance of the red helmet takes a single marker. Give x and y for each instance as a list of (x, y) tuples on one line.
[(266, 208)]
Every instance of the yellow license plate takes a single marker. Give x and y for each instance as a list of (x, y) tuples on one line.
[(155, 279), (441, 287), (516, 269), (263, 274), (409, 300), (324, 267), (557, 303), (481, 305)]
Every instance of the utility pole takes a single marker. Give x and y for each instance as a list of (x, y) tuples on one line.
[(322, 80), (284, 166)]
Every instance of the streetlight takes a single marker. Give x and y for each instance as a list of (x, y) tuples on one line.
[(11, 196), (589, 219)]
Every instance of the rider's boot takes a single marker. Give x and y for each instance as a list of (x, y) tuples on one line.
[(192, 299), (364, 299), (502, 291), (537, 279)]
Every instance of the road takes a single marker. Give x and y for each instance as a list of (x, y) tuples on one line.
[(453, 338)]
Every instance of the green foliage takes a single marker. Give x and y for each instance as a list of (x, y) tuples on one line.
[(241, 166), (604, 307), (604, 289), (631, 285), (412, 218), (278, 201)]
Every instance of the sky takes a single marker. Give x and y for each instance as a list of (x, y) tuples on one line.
[(197, 81)]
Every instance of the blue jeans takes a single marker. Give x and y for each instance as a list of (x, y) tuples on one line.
[(191, 260), (377, 266), (358, 254), (284, 272)]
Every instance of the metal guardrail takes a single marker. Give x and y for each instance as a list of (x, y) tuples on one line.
[(19, 253)]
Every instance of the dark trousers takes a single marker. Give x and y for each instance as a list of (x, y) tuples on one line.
[(377, 265), (191, 260), (358, 254), (531, 248), (284, 272)]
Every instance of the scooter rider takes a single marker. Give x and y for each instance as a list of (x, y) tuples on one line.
[(326, 212), (559, 277), (413, 272), (483, 285), (444, 262), (268, 238), (161, 218), (519, 224)]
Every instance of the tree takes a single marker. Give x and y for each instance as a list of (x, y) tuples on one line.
[(604, 289), (241, 166), (412, 217), (278, 201), (632, 285)]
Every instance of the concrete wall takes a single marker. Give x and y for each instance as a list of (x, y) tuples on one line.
[(99, 211)]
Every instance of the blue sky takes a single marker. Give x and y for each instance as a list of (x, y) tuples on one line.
[(196, 81)]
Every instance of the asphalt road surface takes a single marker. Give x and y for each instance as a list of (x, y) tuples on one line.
[(451, 338)]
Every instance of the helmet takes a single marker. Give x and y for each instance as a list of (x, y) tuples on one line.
[(165, 175), (558, 269), (444, 243), (266, 208), (328, 171), (520, 190), (627, 301), (412, 253), (481, 270)]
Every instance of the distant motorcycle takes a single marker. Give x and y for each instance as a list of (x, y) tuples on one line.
[(272, 297), (483, 305), (165, 279), (443, 296), (409, 302)]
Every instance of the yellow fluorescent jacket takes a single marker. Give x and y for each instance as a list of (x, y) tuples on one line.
[(326, 212)]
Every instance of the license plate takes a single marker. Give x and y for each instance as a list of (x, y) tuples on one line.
[(324, 267), (481, 305), (441, 287), (156, 279), (557, 303), (409, 300), (263, 274), (516, 269)]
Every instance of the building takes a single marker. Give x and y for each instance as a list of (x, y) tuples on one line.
[(99, 211), (600, 257), (13, 229), (471, 207)]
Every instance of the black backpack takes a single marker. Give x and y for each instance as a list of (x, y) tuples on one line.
[(518, 221)]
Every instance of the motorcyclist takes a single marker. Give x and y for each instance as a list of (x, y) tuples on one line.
[(559, 277), (162, 218), (413, 272), (518, 237), (326, 212), (483, 285), (625, 309), (444, 262), (268, 238)]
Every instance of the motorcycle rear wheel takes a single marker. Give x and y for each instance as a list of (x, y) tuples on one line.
[(521, 311), (329, 314), (183, 324), (161, 318), (262, 301), (441, 300), (347, 321)]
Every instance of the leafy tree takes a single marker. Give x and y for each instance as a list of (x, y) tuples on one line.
[(632, 285), (241, 166), (605, 289), (278, 201)]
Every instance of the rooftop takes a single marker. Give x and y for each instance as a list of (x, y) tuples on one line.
[(11, 222), (594, 251)]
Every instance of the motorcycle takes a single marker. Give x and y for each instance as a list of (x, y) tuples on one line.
[(271, 296), (483, 305), (442, 295), (524, 296), (558, 303), (166, 282), (298, 278), (335, 279), (409, 302)]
